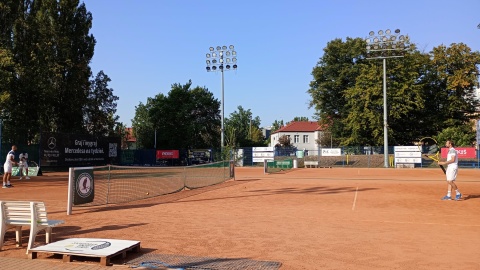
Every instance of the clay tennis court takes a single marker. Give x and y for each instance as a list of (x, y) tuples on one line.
[(340, 218)]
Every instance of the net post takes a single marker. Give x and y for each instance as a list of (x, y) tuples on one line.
[(184, 178), (265, 166), (70, 191), (232, 169), (108, 183)]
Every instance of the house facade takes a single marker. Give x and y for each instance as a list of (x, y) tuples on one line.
[(303, 135)]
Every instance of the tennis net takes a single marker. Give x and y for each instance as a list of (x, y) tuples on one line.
[(121, 184)]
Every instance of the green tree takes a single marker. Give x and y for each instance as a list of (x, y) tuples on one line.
[(99, 112), (246, 128), (300, 119), (51, 48), (455, 68), (120, 130), (462, 135), (426, 92), (186, 118), (276, 125), (143, 126), (335, 73), (404, 100)]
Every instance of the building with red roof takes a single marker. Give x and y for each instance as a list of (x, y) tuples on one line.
[(302, 134)]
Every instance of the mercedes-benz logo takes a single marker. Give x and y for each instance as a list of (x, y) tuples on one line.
[(52, 143)]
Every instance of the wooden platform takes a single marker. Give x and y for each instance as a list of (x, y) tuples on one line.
[(105, 249)]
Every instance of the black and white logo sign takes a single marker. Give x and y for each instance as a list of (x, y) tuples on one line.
[(84, 185), (52, 143)]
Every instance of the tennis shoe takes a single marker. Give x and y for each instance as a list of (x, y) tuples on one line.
[(458, 196), (447, 198), (20, 178), (27, 177), (5, 186), (9, 185)]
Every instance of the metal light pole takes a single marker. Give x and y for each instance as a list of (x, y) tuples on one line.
[(221, 59), (382, 46)]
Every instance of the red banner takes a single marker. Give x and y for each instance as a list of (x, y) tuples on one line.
[(462, 152), (167, 154)]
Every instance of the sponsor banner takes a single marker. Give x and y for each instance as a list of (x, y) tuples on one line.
[(88, 246), (62, 149), (263, 154), (263, 149), (462, 152), (408, 160), (408, 154), (168, 154), (331, 152), (261, 159), (200, 155), (84, 186), (408, 148)]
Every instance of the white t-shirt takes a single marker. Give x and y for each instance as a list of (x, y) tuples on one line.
[(452, 154), (10, 157), (23, 159)]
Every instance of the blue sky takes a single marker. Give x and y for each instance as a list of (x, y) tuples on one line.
[(146, 46)]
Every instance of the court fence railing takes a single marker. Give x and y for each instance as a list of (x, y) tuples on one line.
[(347, 156)]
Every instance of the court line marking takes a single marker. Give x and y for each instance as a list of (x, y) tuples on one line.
[(355, 199)]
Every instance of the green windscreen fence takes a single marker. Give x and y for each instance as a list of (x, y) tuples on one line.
[(273, 166)]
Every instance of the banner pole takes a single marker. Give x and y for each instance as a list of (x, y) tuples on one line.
[(70, 191)]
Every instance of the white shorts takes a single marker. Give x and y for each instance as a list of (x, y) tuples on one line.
[(23, 165), (451, 173), (7, 168)]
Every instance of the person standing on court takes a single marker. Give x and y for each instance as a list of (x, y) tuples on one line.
[(452, 170), (23, 165), (7, 167)]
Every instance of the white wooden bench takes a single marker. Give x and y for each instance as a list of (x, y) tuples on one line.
[(310, 163), (15, 214)]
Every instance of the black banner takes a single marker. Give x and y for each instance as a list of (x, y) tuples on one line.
[(84, 186), (61, 149)]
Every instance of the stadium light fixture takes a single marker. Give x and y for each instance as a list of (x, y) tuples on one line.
[(220, 59), (382, 46)]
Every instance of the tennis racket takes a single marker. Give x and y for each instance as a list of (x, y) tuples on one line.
[(430, 149)]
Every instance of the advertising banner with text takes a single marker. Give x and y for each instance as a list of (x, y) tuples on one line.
[(62, 149), (167, 154), (462, 152)]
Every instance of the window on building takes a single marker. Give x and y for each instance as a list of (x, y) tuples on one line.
[(296, 138), (305, 138)]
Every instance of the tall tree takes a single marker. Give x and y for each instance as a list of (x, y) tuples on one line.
[(99, 112), (52, 49), (246, 128), (186, 118), (404, 98), (334, 74), (455, 70), (143, 126), (426, 92)]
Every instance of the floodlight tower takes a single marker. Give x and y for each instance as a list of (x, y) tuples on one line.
[(382, 46), (221, 59)]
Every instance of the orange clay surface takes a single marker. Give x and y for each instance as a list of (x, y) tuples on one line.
[(340, 218)]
